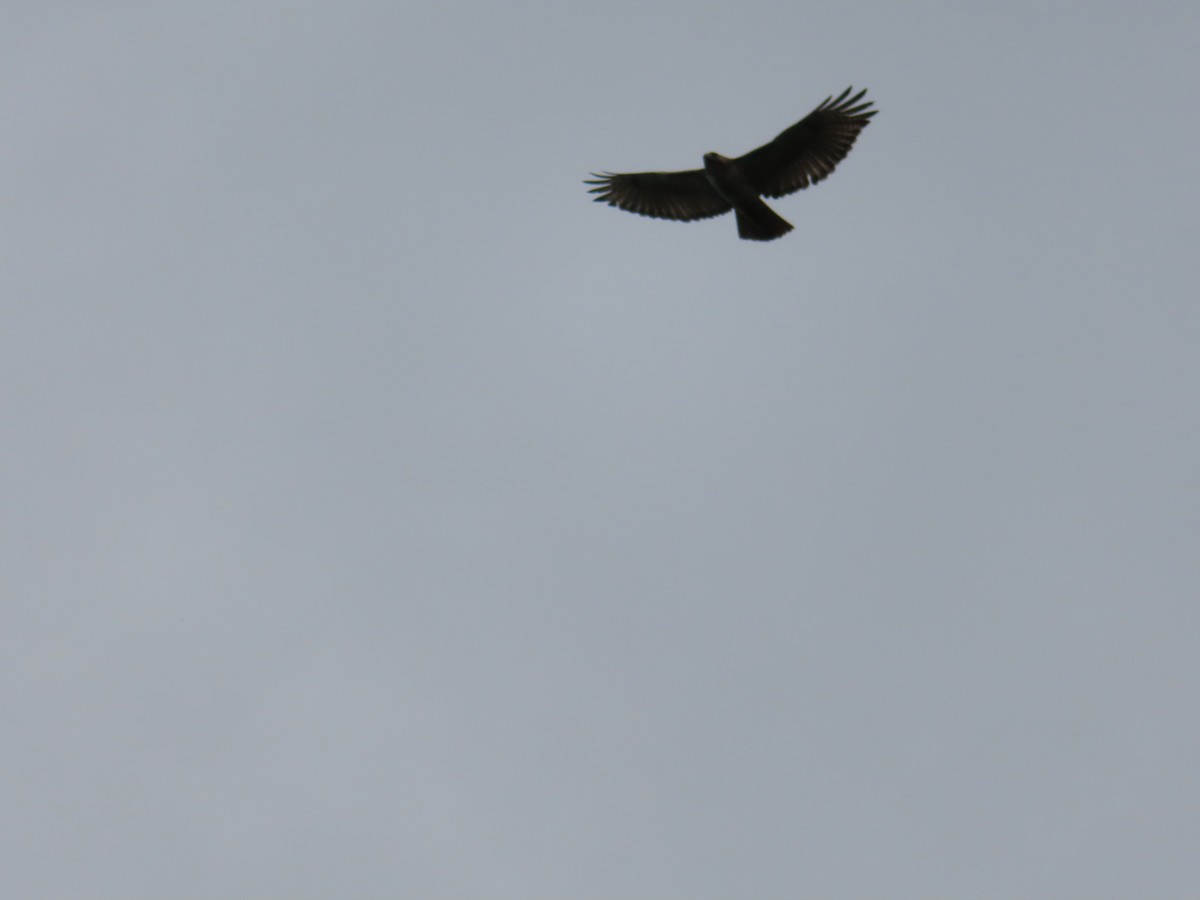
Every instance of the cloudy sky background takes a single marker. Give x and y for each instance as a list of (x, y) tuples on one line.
[(383, 518)]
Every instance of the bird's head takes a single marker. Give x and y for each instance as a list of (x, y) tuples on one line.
[(715, 160)]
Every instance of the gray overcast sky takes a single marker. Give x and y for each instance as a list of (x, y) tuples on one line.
[(383, 518)]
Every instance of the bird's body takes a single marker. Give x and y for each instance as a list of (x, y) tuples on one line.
[(756, 221), (802, 155)]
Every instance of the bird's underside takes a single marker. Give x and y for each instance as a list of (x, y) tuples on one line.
[(802, 155)]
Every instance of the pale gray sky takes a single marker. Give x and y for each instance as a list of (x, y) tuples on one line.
[(382, 518)]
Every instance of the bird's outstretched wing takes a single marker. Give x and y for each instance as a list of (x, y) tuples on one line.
[(661, 195), (808, 151)]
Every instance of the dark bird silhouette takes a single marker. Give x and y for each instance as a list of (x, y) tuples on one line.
[(802, 155)]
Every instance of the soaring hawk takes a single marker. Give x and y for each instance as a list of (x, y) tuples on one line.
[(802, 155)]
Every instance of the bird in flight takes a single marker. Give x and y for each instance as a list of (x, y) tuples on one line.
[(802, 155)]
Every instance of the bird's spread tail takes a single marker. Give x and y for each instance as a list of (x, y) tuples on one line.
[(758, 222)]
